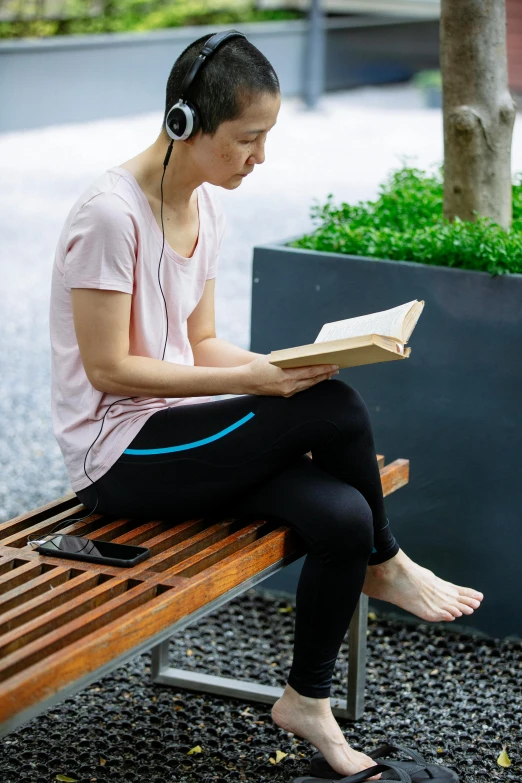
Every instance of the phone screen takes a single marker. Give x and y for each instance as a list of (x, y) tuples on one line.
[(77, 545)]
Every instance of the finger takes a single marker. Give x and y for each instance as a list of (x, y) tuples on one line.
[(325, 368), (309, 381), (313, 372), (317, 379)]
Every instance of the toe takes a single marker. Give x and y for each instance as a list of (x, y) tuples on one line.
[(445, 615), (466, 599), (478, 596), (464, 608), (453, 609)]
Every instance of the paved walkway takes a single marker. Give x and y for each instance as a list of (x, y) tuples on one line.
[(346, 147)]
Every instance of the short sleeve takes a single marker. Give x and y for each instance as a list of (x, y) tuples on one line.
[(220, 222), (101, 246)]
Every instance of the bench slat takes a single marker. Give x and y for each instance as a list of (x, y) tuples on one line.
[(37, 598)]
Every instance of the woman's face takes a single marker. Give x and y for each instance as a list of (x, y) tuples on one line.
[(225, 158)]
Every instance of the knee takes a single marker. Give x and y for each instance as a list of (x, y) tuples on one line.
[(347, 526), (347, 402)]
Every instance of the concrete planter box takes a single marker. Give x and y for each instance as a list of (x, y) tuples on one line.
[(453, 408), (89, 77)]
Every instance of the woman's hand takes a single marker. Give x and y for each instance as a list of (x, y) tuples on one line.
[(263, 378)]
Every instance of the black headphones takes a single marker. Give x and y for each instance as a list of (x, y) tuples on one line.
[(181, 122)]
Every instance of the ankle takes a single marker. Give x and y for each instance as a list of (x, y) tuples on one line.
[(396, 563), (293, 697)]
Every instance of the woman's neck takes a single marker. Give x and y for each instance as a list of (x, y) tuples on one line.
[(179, 182)]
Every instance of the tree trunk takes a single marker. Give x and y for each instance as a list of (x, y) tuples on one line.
[(478, 109)]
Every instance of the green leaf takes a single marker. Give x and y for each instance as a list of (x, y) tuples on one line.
[(503, 759)]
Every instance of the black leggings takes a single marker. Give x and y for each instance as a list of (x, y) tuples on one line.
[(247, 455)]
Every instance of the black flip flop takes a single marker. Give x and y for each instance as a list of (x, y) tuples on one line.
[(418, 769), (389, 772)]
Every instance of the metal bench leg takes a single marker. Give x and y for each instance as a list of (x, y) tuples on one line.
[(352, 707), (357, 659)]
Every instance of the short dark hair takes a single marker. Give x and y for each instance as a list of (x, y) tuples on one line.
[(225, 85)]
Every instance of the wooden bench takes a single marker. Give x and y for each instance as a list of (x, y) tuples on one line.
[(66, 623)]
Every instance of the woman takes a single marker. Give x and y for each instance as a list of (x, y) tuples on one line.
[(166, 447)]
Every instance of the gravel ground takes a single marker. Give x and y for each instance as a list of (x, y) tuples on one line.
[(453, 697)]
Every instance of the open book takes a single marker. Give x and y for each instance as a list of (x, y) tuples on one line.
[(367, 339)]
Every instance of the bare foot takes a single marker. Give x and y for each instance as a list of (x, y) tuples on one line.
[(416, 589), (313, 720)]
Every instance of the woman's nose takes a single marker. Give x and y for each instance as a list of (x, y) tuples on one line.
[(258, 156)]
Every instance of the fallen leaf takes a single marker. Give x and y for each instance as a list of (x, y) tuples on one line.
[(285, 609), (434, 671), (503, 759), (65, 779), (280, 755), (197, 749), (189, 652), (102, 762), (372, 616)]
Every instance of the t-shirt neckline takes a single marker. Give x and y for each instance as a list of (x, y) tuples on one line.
[(168, 249)]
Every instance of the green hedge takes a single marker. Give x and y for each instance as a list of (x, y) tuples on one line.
[(140, 15), (405, 223)]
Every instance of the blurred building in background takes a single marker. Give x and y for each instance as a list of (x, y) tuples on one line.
[(413, 20)]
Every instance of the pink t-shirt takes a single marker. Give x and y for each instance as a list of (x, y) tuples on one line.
[(111, 240)]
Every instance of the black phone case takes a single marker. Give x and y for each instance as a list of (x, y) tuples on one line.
[(100, 560)]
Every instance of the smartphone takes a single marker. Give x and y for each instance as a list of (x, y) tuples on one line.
[(103, 552)]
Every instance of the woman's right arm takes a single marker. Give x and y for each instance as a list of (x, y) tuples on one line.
[(101, 322)]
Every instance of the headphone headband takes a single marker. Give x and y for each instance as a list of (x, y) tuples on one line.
[(209, 48), (183, 119)]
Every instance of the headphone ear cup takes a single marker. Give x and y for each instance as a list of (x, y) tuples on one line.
[(182, 121), (196, 124)]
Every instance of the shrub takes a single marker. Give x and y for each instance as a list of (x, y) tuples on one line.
[(406, 223), (138, 15)]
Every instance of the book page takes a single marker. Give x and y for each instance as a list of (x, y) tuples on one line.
[(387, 323)]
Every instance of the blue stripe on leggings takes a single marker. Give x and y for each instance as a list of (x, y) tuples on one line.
[(373, 550), (193, 445)]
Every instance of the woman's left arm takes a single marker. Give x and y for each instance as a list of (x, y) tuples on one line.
[(215, 352), (209, 350)]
